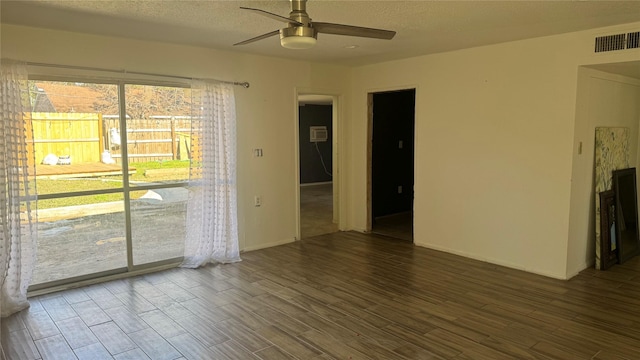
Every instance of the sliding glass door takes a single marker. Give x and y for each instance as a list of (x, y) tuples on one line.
[(112, 161), (80, 198), (159, 139)]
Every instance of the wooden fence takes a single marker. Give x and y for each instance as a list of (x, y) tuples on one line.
[(75, 134), (157, 138), (84, 136)]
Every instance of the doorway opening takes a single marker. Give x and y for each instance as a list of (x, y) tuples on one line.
[(316, 157), (391, 163)]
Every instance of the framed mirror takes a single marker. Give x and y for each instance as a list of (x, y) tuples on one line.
[(627, 237), (608, 243)]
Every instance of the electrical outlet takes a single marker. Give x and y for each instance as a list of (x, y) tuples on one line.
[(400, 189), (257, 152), (400, 144), (257, 201)]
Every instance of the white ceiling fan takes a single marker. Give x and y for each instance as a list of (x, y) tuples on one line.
[(302, 33)]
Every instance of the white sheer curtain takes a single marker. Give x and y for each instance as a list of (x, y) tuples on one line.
[(212, 220), (17, 190)]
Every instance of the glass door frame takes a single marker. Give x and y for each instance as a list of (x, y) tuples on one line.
[(131, 269)]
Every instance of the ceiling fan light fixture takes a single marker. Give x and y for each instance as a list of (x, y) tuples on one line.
[(298, 42), (298, 37), (301, 32)]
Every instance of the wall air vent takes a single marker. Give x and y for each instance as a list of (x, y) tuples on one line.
[(610, 42), (318, 133), (617, 42), (633, 40)]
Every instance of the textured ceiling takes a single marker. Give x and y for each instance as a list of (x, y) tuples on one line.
[(423, 27)]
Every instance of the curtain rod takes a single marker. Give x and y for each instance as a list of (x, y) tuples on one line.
[(244, 84)]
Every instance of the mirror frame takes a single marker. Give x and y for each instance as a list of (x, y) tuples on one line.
[(624, 255), (608, 251)]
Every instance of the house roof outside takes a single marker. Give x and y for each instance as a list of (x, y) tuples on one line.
[(64, 98), (142, 101)]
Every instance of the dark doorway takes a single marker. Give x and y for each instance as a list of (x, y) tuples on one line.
[(392, 163)]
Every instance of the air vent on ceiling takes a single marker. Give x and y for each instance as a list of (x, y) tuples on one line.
[(618, 42), (633, 40)]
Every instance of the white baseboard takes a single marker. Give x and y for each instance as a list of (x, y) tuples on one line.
[(584, 265), (267, 245), (491, 261)]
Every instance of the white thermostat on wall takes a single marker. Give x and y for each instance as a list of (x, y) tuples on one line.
[(318, 133)]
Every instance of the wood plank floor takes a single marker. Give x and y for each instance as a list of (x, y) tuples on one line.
[(338, 296)]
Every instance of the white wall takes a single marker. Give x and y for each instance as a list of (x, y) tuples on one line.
[(494, 134), (604, 100), (494, 138), (265, 112)]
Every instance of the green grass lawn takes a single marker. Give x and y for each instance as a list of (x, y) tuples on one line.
[(150, 165), (53, 186)]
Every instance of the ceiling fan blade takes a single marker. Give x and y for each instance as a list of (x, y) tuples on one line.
[(339, 29), (272, 16), (263, 36)]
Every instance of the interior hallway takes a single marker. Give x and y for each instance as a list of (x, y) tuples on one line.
[(316, 210), (316, 216)]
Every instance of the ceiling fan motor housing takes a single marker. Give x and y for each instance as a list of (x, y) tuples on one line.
[(299, 12)]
